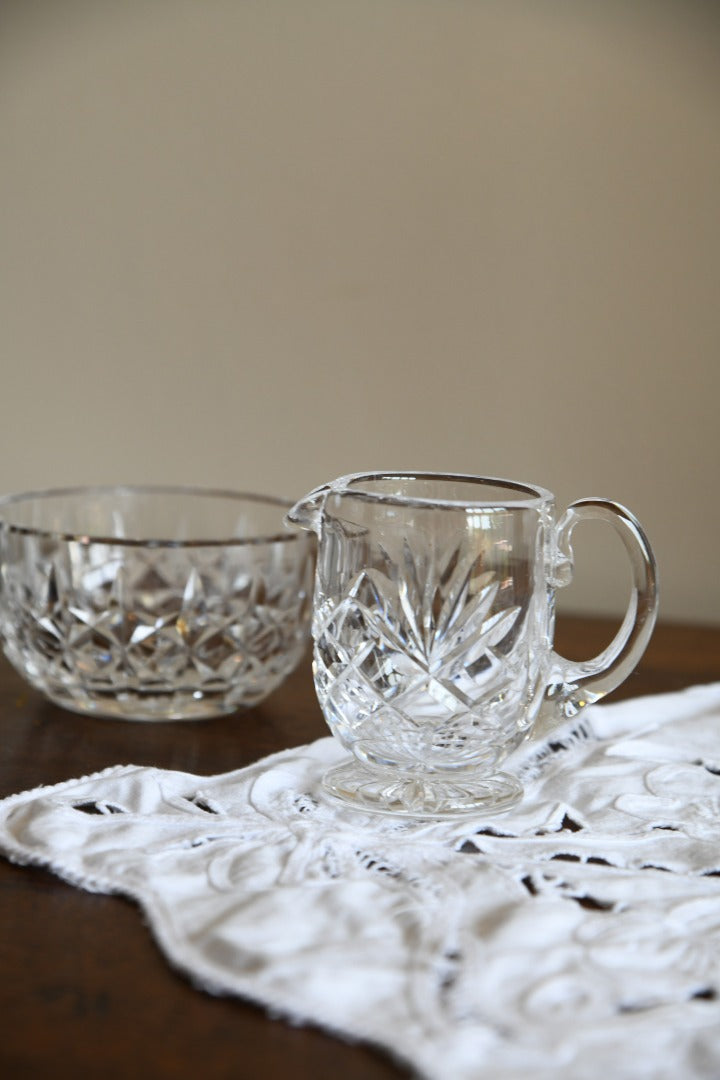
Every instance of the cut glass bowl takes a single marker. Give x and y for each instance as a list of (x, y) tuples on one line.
[(152, 603)]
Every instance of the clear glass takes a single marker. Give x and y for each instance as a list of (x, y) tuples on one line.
[(433, 625), (153, 603)]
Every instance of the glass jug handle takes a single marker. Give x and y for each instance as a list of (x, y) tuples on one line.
[(573, 685)]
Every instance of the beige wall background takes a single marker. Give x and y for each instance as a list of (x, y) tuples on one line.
[(261, 243)]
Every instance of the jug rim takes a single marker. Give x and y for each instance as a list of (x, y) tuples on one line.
[(530, 496)]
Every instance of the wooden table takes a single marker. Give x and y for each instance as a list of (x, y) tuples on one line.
[(83, 988)]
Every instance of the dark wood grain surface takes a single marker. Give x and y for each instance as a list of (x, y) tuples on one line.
[(84, 991)]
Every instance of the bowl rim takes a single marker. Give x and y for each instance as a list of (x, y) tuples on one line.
[(192, 491)]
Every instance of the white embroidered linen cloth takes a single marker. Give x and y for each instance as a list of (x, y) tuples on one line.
[(572, 938)]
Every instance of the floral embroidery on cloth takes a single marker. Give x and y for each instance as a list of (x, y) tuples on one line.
[(575, 937)]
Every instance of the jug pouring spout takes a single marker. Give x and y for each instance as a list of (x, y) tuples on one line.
[(308, 512)]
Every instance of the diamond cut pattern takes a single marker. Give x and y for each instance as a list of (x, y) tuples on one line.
[(408, 663), (157, 633)]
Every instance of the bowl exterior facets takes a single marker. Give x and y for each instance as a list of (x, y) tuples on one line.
[(163, 630)]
